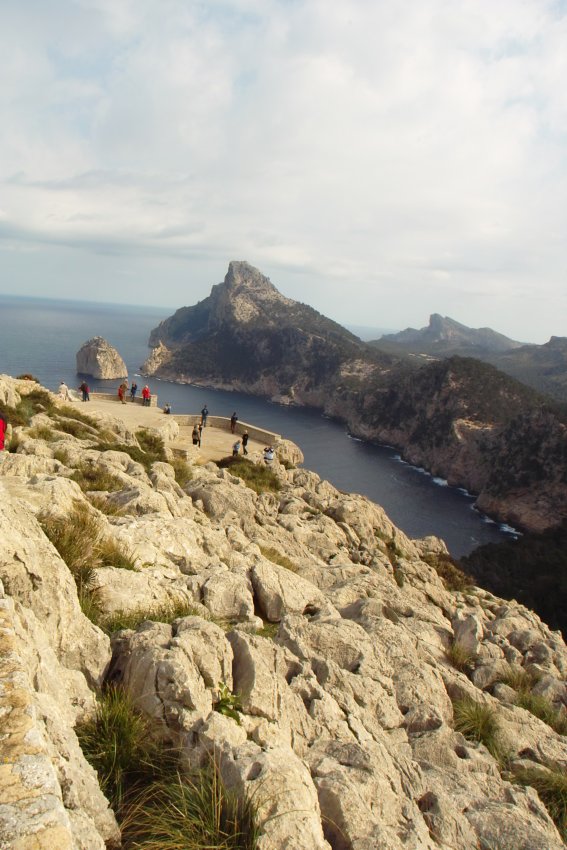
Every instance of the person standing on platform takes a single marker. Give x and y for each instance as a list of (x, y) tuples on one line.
[(133, 390), (233, 421), (84, 388), (64, 393), (146, 396), (204, 415), (245, 442), (236, 449)]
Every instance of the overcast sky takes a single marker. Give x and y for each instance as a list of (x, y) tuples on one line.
[(378, 159)]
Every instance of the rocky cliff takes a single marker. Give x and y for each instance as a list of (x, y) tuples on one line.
[(98, 359), (459, 418), (321, 657)]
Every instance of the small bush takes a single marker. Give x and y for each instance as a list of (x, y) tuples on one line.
[(446, 568), (259, 478), (74, 428), (277, 558), (183, 472), (76, 538), (159, 614), (516, 677), (37, 401), (551, 785), (152, 444), (76, 413), (90, 477), (27, 377), (399, 577), (228, 703), (15, 443), (478, 722), (460, 657)]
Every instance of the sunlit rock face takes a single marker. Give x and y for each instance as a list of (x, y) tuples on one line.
[(98, 359)]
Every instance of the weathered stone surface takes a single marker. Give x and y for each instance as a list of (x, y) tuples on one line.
[(341, 677), (99, 359)]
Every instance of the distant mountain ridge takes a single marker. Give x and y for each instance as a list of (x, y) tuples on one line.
[(460, 418), (444, 336)]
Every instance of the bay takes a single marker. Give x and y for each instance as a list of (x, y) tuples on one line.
[(42, 337)]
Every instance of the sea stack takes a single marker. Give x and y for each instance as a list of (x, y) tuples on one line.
[(98, 359)]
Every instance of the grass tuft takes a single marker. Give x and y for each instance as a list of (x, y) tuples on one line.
[(105, 506), (91, 477), (268, 630), (259, 478), (460, 657), (479, 722), (541, 707), (551, 785), (166, 613), (42, 432), (277, 558), (183, 472)]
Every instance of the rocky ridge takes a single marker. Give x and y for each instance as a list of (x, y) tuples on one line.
[(343, 660), (444, 337), (98, 359)]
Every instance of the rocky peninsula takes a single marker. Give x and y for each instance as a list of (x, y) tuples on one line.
[(343, 684), (459, 418)]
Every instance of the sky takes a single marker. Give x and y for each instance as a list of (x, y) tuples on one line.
[(380, 160)]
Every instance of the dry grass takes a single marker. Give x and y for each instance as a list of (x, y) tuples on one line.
[(460, 657), (551, 785), (90, 477), (277, 558), (479, 722), (166, 613)]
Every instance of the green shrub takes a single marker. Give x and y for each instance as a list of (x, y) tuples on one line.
[(91, 477), (228, 703), (277, 558), (159, 614), (478, 722), (37, 401), (259, 478), (27, 377), (113, 554), (73, 427), (152, 444), (76, 413), (551, 785), (76, 537)]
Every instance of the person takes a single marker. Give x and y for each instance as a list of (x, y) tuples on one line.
[(204, 414), (233, 421), (146, 396), (245, 442), (84, 388), (268, 454), (167, 408), (3, 428), (195, 436), (121, 391), (133, 390), (64, 393), (236, 449), (200, 433)]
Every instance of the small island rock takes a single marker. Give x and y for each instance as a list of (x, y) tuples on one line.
[(98, 359)]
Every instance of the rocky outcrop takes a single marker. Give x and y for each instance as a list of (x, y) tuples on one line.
[(323, 621), (98, 359), (444, 337)]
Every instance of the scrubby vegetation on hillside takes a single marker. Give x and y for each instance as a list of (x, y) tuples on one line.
[(532, 569)]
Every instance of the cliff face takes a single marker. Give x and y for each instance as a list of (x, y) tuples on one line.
[(340, 659), (98, 359), (459, 418)]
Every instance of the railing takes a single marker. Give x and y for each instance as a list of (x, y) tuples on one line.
[(223, 423), (114, 397)]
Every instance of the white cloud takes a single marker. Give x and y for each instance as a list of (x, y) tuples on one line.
[(379, 160)]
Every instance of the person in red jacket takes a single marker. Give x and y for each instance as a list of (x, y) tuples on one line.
[(146, 396), (3, 426)]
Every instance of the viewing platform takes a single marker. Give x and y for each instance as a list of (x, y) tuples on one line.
[(176, 429)]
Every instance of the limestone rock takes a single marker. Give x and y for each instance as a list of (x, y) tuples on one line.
[(99, 359)]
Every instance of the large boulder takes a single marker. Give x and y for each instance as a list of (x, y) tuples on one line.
[(99, 359)]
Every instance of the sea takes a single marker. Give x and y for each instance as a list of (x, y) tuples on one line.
[(42, 336)]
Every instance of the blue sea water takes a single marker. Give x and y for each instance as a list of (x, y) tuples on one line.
[(42, 336)]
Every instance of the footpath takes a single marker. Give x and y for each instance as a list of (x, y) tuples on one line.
[(216, 440)]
